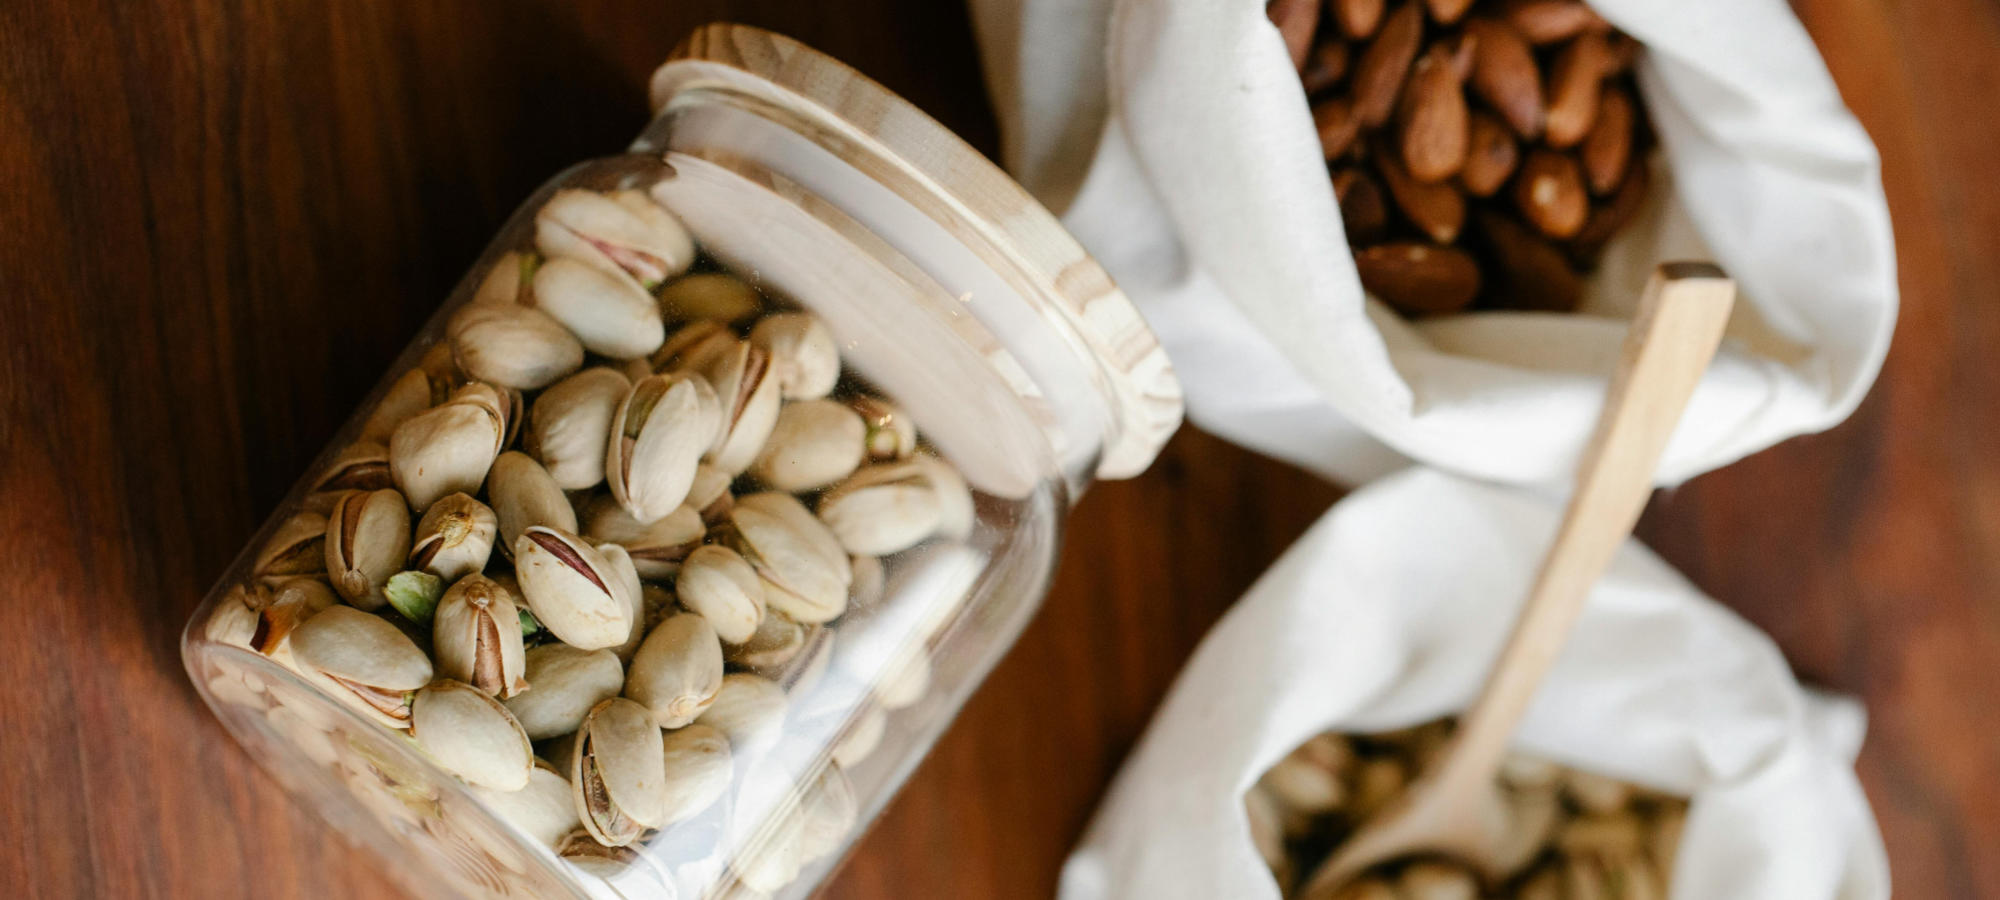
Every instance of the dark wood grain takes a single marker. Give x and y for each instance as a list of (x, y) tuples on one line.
[(220, 221)]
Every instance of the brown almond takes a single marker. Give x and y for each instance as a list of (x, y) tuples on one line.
[(1526, 272), (1550, 194), (1418, 278), (1550, 21), (1608, 147), (1334, 119), (1378, 75), (1357, 18), (1611, 216), (1433, 117), (1325, 67), (1576, 80), (1490, 156), (1446, 12), (1363, 209), (1296, 21), (1505, 76), (1436, 208)]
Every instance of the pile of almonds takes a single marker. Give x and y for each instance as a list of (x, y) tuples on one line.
[(1574, 835), (1482, 152)]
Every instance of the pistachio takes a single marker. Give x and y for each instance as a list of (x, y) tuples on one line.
[(291, 604), (777, 640), (813, 444), (803, 353), (658, 547), (234, 620), (616, 776), (805, 572), (511, 345), (716, 296), (504, 404), (829, 811), (446, 450), (622, 232), (1376, 781), (362, 661), (415, 595), (750, 709), (698, 769), (657, 438), (1532, 814), (905, 681), (718, 584), (570, 423), (525, 495), (695, 347), (564, 683), (296, 547), (477, 638), (361, 466), (542, 810), (454, 538), (747, 389), (861, 738), (626, 586), (956, 511), (882, 509), (509, 281), (891, 432), (412, 393), (367, 539), (709, 494), (471, 735), (870, 583), (568, 585), (609, 315), (677, 671)]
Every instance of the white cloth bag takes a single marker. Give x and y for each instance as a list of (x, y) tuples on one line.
[(1175, 139), (1389, 612)]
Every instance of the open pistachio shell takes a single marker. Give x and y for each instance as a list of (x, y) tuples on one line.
[(956, 511), (716, 296), (454, 538), (750, 709), (235, 619), (694, 347), (718, 584), (698, 770), (564, 683), (616, 777), (814, 443), (476, 635), (512, 345), (471, 735), (882, 509), (362, 661), (571, 422), (709, 494), (892, 434), (658, 547), (569, 588), (445, 450), (367, 540), (621, 232), (361, 466), (677, 670), (747, 388), (805, 571), (657, 438), (802, 351), (609, 314), (297, 547), (542, 810), (415, 391), (775, 643), (525, 495), (626, 586)]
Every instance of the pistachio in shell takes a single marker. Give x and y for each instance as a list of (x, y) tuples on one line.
[(861, 738), (622, 232), (718, 584), (367, 540), (543, 810), (693, 347), (957, 513), (657, 439), (524, 495), (749, 709), (609, 314), (803, 353), (709, 494), (775, 643), (510, 280), (805, 571), (570, 423), (747, 388), (446, 450), (658, 547), (677, 671), (476, 637), (292, 602), (360, 466), (569, 586), (469, 734), (296, 547), (882, 509), (626, 586), (411, 393), (564, 684), (454, 538), (616, 777), (892, 434), (362, 661), (813, 444), (716, 296), (512, 345), (698, 770)]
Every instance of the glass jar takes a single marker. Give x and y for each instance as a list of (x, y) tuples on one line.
[(954, 304)]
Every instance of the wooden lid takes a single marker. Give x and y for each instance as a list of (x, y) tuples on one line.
[(925, 165)]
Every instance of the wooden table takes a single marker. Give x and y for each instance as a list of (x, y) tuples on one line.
[(219, 221)]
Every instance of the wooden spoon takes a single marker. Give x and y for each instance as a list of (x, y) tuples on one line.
[(1456, 809)]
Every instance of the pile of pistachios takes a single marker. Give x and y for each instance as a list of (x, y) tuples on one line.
[(1573, 835), (577, 551)]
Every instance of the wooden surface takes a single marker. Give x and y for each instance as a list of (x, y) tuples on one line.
[(219, 221)]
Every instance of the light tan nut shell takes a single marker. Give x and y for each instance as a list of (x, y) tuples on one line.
[(571, 422), (658, 436), (476, 636), (698, 770), (883, 509), (658, 547), (525, 495), (471, 736), (455, 538), (445, 450), (621, 232), (564, 683), (569, 588), (677, 671), (750, 709), (543, 810), (814, 443), (609, 314), (616, 776), (512, 346), (362, 661), (802, 351), (717, 583), (367, 540)]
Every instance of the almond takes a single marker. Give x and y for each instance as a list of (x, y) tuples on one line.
[(1524, 271), (1490, 156), (1608, 147), (1417, 278), (1434, 117), (1611, 216), (1296, 21), (1378, 76), (1334, 118), (1504, 75), (1576, 79), (1549, 21), (1436, 208), (1357, 18), (1445, 12), (1325, 67), (1363, 209), (1549, 192)]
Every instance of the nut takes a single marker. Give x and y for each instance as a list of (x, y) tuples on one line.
[(719, 296), (657, 439), (362, 661), (525, 495), (1296, 21), (454, 538), (1607, 149), (476, 637), (616, 777), (610, 315), (1379, 74), (568, 585), (1549, 192), (803, 354), (698, 769), (1436, 208), (542, 810), (296, 547), (1357, 18), (1434, 116), (446, 450), (571, 422), (813, 444), (367, 540), (1419, 279), (747, 389), (1505, 76), (1490, 157), (677, 671), (750, 710), (471, 735), (657, 548), (718, 584), (882, 509), (804, 570), (512, 346), (564, 684), (623, 232), (1575, 79)]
